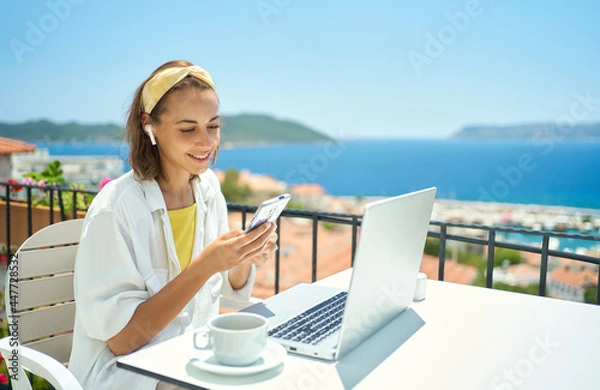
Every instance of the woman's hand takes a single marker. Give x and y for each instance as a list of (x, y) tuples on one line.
[(267, 251), (235, 248)]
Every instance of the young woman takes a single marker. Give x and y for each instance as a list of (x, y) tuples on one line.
[(156, 251)]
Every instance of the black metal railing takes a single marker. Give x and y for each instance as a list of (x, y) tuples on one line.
[(62, 200), (491, 242), (437, 230), (353, 220)]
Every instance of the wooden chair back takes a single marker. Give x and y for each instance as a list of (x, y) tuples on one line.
[(39, 289)]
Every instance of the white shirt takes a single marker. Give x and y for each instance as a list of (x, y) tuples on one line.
[(126, 254)]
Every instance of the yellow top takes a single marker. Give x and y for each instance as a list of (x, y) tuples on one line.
[(183, 223)]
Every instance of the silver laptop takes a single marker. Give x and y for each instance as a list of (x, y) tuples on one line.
[(327, 323)]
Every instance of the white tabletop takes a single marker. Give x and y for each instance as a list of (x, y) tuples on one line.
[(458, 337)]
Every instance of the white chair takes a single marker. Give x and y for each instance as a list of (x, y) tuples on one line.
[(45, 305), (39, 296)]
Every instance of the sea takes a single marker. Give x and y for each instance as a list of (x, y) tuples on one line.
[(524, 172), (547, 172)]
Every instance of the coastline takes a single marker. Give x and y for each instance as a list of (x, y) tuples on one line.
[(334, 245), (533, 216), (232, 145), (400, 166)]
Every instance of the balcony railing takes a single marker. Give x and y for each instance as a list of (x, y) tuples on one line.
[(438, 229)]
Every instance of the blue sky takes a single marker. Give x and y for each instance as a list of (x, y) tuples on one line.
[(354, 69)]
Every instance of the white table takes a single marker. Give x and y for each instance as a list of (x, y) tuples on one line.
[(459, 337)]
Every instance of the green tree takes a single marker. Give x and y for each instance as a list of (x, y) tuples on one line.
[(471, 258), (329, 226), (233, 191), (467, 257), (513, 256), (590, 294), (294, 204), (432, 246)]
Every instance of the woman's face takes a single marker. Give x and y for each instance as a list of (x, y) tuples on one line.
[(189, 132)]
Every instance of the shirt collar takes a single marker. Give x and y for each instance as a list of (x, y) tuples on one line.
[(153, 195), (203, 192)]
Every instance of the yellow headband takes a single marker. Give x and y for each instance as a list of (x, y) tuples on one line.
[(164, 80)]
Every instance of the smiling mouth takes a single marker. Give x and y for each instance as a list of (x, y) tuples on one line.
[(200, 157)]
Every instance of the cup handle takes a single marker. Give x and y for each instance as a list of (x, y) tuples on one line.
[(204, 334)]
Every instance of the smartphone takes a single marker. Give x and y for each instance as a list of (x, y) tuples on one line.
[(268, 210)]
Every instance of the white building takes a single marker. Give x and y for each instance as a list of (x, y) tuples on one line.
[(9, 149), (86, 170), (571, 282)]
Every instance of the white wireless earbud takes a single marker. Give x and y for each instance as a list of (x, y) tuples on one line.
[(148, 129)]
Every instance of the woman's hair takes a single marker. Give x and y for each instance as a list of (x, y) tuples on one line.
[(143, 156)]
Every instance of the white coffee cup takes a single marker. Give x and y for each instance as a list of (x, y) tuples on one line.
[(236, 339)]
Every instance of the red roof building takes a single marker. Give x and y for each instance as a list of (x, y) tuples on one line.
[(570, 283), (9, 146)]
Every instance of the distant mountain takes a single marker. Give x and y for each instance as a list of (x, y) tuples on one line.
[(44, 130), (236, 129), (255, 128), (539, 131)]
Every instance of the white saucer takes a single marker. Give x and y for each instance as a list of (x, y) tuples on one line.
[(271, 357)]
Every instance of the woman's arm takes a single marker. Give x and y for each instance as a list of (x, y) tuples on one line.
[(238, 276), (231, 250), (154, 314)]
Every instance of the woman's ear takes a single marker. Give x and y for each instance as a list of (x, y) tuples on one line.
[(147, 126)]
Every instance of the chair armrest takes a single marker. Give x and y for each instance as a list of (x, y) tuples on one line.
[(40, 364), (238, 305)]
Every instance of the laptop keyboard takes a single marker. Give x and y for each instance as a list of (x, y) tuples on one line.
[(315, 324)]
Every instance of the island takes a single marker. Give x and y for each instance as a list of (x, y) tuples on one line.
[(536, 131)]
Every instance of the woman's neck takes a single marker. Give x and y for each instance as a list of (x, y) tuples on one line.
[(177, 194)]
